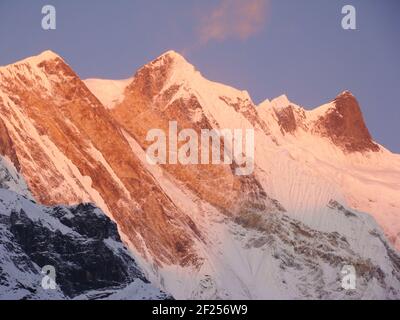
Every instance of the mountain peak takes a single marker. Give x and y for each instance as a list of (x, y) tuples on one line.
[(169, 57), (346, 104), (172, 54), (346, 93), (167, 70), (47, 55), (344, 123), (280, 102)]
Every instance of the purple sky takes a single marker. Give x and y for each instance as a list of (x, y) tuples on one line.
[(295, 47)]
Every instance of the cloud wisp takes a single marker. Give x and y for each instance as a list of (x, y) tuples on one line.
[(233, 19)]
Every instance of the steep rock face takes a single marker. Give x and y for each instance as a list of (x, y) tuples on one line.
[(79, 242), (162, 91), (71, 151), (7, 147), (330, 148), (286, 119), (11, 180), (169, 89), (332, 138), (298, 248), (150, 103), (345, 125), (261, 252), (202, 231)]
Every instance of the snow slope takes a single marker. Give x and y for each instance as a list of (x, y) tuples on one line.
[(70, 151), (109, 92), (285, 231), (80, 242), (315, 169), (302, 169), (268, 255)]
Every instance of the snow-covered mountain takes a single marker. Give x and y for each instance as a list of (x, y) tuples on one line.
[(80, 242), (323, 193)]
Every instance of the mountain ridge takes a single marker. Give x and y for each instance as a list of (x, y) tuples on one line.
[(201, 231), (79, 242), (364, 141)]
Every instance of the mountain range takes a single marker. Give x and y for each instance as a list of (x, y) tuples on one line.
[(323, 194)]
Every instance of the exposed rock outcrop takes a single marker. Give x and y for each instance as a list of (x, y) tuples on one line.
[(345, 125)]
